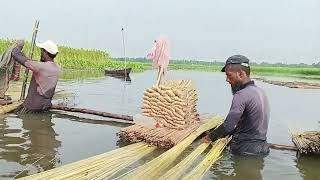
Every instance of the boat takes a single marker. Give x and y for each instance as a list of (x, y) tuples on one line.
[(121, 77), (119, 72)]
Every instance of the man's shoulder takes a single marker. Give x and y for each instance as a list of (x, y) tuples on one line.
[(247, 92)]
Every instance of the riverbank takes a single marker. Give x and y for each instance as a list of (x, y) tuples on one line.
[(92, 59)]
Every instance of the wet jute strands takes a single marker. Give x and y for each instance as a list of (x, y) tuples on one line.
[(177, 171), (10, 107), (213, 155), (98, 167), (161, 137), (307, 142), (152, 169), (106, 165)]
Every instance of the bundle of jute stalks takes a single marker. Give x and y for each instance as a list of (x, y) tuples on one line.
[(307, 142), (162, 137), (172, 106), (10, 107)]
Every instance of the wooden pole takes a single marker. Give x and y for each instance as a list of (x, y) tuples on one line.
[(124, 54), (160, 74), (33, 41), (130, 119), (93, 112), (283, 147)]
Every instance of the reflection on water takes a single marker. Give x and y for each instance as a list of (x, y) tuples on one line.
[(33, 145), (237, 167), (309, 167), (67, 138), (80, 74), (123, 78)]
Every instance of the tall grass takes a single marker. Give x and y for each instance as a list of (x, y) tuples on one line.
[(309, 71), (78, 58), (86, 59)]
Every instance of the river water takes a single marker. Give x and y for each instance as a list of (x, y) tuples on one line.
[(33, 143)]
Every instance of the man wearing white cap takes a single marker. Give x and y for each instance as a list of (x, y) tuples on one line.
[(45, 75)]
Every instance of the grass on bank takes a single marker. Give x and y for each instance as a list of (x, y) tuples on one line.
[(91, 59), (79, 58)]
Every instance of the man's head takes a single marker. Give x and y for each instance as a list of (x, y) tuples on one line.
[(237, 71), (49, 50)]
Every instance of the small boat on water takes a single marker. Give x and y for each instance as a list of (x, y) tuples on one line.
[(118, 72), (121, 77)]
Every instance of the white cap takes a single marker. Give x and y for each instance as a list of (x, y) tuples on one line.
[(49, 46)]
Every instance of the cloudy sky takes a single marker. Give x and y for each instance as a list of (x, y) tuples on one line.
[(273, 31)]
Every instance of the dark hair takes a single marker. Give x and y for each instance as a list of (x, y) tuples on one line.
[(238, 68)]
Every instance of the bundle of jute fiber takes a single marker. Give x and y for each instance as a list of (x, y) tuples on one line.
[(10, 107), (102, 166), (213, 155), (307, 142), (172, 104), (162, 137), (178, 170), (158, 166)]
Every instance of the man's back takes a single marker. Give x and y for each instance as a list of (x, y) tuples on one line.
[(42, 86)]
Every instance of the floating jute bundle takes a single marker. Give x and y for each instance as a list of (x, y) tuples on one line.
[(172, 106), (307, 142)]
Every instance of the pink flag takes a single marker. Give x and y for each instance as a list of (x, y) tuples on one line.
[(160, 53)]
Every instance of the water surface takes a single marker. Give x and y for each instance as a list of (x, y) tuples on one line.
[(33, 143)]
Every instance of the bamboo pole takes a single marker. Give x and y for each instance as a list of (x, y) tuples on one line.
[(124, 54), (98, 113), (130, 119), (33, 40), (160, 75), (283, 147)]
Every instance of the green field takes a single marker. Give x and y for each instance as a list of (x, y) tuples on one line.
[(92, 59), (77, 58)]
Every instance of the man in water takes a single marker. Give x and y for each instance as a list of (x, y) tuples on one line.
[(45, 75), (248, 118)]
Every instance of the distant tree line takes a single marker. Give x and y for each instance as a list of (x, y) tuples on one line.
[(199, 62)]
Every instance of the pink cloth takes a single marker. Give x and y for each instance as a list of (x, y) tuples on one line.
[(160, 53)]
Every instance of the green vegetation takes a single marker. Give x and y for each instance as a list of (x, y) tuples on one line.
[(279, 69), (73, 58), (84, 59), (80, 74)]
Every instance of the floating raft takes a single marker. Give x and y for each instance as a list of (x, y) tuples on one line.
[(110, 164), (291, 84)]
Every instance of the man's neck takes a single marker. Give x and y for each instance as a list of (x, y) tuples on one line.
[(246, 81)]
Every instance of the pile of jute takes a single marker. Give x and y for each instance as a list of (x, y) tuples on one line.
[(173, 107)]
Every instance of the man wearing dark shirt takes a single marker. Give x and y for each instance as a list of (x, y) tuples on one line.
[(247, 120), (45, 75)]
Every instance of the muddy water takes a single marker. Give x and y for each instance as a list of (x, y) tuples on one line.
[(33, 143)]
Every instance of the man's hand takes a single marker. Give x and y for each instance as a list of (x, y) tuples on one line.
[(206, 139)]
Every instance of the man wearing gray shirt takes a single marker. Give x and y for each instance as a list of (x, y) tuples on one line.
[(248, 118)]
